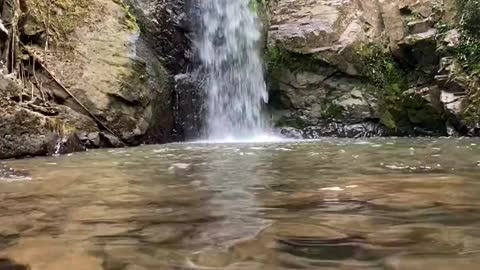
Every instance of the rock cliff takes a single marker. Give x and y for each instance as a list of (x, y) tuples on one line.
[(80, 74), (373, 67)]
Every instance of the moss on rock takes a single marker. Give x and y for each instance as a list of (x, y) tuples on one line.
[(388, 79), (276, 58), (58, 18), (130, 21)]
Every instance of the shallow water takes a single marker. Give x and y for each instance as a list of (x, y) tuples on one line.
[(328, 204)]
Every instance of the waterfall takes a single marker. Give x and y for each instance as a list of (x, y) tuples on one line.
[(235, 85)]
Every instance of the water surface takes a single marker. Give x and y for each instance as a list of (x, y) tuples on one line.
[(329, 204)]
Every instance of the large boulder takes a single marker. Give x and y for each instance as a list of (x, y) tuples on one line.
[(106, 70), (327, 30)]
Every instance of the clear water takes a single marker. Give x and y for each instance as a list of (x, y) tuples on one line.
[(235, 84), (331, 204)]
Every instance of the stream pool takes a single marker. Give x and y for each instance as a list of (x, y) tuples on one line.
[(330, 204)]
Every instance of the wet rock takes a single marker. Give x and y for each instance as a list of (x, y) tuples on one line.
[(165, 25), (190, 109), (29, 129), (166, 28), (420, 49), (425, 111), (11, 174), (94, 138), (98, 140), (292, 133), (334, 129)]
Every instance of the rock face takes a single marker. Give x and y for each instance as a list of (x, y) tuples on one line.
[(399, 65), (190, 109), (100, 75), (167, 26)]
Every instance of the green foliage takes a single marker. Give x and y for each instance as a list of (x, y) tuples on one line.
[(130, 20), (470, 16), (276, 58), (281, 120), (386, 118), (469, 53), (333, 111), (378, 65), (60, 17), (253, 5), (381, 69)]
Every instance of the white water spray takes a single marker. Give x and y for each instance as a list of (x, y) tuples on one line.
[(235, 85)]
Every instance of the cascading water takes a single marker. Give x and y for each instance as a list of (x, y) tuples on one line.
[(235, 86)]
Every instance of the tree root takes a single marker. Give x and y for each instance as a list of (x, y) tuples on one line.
[(69, 93)]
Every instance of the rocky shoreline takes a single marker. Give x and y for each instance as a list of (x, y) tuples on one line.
[(80, 74)]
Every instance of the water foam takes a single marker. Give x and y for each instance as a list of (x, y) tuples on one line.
[(235, 85)]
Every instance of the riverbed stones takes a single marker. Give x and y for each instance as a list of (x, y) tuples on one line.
[(413, 262), (53, 254), (7, 264)]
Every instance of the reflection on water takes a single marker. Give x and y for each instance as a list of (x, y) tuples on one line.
[(331, 204)]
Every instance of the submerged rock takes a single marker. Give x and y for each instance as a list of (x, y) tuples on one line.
[(7, 264)]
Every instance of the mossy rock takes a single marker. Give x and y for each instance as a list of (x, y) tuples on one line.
[(130, 20), (277, 58), (57, 17)]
